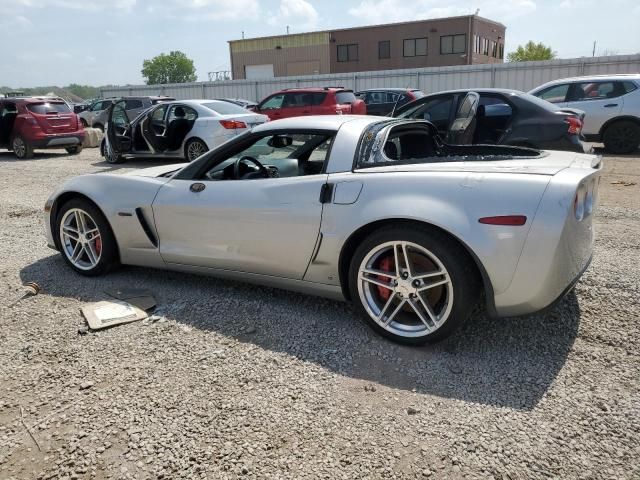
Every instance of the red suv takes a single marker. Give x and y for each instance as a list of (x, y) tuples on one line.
[(296, 102), (38, 122)]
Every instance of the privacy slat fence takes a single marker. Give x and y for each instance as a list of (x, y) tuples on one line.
[(520, 76)]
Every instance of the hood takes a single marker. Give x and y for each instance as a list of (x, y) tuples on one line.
[(157, 171)]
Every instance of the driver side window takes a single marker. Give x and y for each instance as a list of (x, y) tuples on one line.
[(273, 103), (274, 156)]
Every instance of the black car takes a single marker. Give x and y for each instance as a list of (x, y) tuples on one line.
[(499, 117), (383, 101)]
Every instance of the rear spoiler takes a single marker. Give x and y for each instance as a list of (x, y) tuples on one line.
[(574, 111)]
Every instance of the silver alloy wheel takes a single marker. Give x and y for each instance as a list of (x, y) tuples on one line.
[(196, 149), (19, 147), (411, 298), (80, 239)]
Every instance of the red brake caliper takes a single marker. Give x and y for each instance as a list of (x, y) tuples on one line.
[(386, 265), (98, 245)]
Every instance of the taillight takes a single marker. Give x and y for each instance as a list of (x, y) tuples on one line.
[(575, 125), (507, 220), (585, 198), (232, 124)]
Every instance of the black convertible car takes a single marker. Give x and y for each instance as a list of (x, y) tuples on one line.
[(499, 117)]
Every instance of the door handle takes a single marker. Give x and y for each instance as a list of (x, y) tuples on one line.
[(197, 187), (609, 105)]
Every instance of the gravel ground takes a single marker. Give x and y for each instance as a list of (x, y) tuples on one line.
[(242, 381)]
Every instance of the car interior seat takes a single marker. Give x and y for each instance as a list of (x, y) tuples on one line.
[(7, 119), (177, 129)]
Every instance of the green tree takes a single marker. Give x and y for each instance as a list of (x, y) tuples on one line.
[(531, 52), (175, 67)]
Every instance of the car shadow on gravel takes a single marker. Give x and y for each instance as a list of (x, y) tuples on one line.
[(6, 156), (502, 362)]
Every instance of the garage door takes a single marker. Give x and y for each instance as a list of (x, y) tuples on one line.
[(252, 72)]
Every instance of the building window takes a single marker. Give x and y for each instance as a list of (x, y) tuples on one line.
[(453, 44), (415, 47), (494, 49), (501, 50), (348, 53), (384, 49), (485, 47)]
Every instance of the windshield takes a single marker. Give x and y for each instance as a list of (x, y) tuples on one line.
[(225, 108)]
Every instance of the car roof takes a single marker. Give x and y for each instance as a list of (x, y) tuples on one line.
[(315, 89), (587, 78), (34, 99), (384, 89), (316, 122)]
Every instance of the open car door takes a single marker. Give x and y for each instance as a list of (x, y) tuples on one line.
[(154, 128), (118, 128), (464, 124)]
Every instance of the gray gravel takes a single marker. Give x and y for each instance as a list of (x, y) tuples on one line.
[(231, 380)]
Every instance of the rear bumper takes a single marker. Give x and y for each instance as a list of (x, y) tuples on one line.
[(58, 140), (557, 252), (569, 143)]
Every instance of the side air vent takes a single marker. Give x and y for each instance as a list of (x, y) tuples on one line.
[(145, 226)]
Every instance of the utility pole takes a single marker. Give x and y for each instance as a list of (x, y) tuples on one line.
[(287, 29), (593, 54), (243, 34)]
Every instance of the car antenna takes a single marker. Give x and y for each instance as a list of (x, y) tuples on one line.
[(395, 105)]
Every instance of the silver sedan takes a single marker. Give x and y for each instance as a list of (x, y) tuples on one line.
[(372, 210)]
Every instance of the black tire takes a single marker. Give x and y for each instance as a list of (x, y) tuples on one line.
[(463, 289), (110, 156), (21, 148), (193, 145), (622, 136), (108, 258), (74, 150)]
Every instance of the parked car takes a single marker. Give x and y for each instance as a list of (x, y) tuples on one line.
[(183, 129), (502, 117), (241, 102), (384, 101), (96, 117), (611, 104), (374, 210), (29, 123), (297, 102)]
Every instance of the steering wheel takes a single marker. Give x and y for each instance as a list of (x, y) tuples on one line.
[(236, 167)]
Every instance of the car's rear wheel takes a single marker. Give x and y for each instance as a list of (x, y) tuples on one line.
[(21, 148), (622, 136), (195, 148), (74, 150), (414, 285), (86, 239)]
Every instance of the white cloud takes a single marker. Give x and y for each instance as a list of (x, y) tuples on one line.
[(208, 9), (298, 14), (385, 11), (93, 5)]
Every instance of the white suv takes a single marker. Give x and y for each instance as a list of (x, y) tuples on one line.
[(611, 104)]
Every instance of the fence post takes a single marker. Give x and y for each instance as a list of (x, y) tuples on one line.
[(355, 82), (418, 80), (257, 95), (203, 91), (493, 76)]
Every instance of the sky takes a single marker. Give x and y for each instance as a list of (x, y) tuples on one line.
[(100, 42)]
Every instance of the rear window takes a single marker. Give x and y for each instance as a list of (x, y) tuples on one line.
[(224, 108), (345, 97), (133, 104), (48, 107)]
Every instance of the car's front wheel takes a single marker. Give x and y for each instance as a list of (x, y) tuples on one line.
[(21, 148), (109, 155), (622, 136), (195, 148), (86, 240), (414, 285)]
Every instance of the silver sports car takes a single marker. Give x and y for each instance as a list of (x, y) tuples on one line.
[(374, 210)]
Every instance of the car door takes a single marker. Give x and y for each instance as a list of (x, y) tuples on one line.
[(464, 124), (153, 126), (438, 109), (119, 128), (600, 100), (297, 104), (272, 106), (376, 103), (265, 226)]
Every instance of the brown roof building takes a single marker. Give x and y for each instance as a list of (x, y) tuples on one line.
[(462, 40)]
